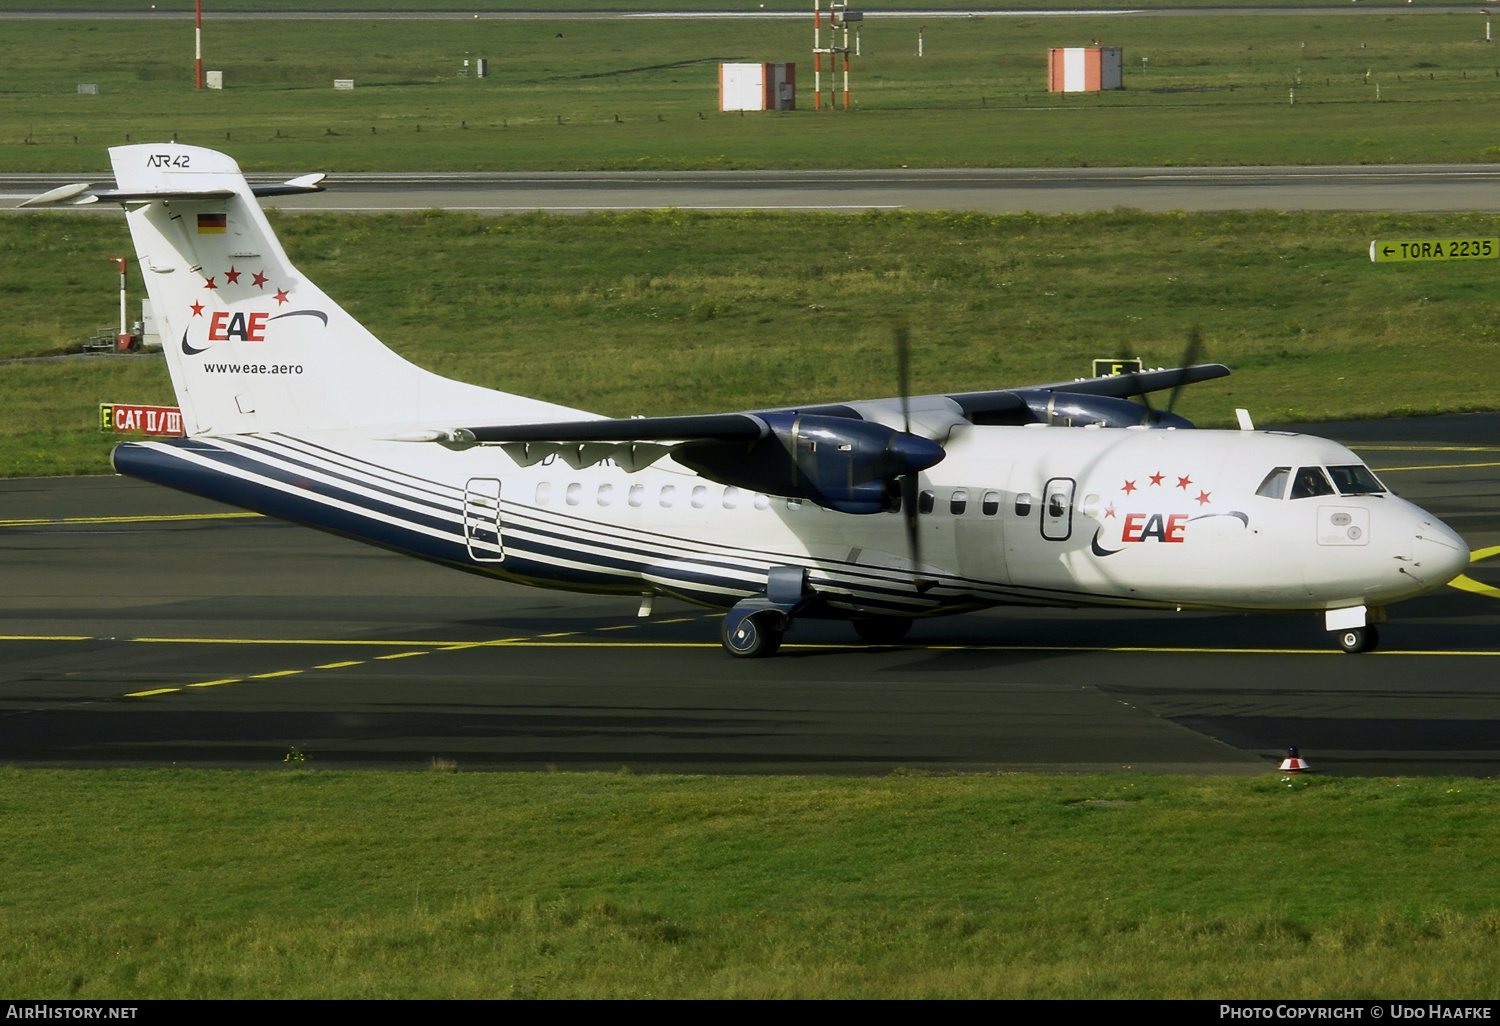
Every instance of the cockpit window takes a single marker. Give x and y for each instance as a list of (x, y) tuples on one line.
[(1356, 480), (1310, 481), (1274, 486)]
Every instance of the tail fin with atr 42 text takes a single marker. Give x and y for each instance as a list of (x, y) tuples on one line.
[(254, 346)]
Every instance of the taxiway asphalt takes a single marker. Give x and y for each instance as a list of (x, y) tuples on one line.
[(141, 626), (1390, 189)]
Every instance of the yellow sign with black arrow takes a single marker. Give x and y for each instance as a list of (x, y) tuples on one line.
[(1396, 250)]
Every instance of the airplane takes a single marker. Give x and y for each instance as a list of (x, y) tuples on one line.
[(877, 512)]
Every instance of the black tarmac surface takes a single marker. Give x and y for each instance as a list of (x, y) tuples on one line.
[(131, 638)]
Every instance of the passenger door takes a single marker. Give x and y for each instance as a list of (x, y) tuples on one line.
[(482, 527)]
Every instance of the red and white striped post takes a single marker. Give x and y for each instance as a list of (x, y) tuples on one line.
[(123, 339), (197, 45), (817, 56)]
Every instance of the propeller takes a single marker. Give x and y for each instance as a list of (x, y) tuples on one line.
[(1189, 357), (1190, 354), (910, 484)]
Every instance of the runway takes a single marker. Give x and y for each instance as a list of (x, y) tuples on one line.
[(143, 627), (1390, 189)]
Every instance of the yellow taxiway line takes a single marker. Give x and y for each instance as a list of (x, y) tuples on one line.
[(128, 520), (1463, 582)]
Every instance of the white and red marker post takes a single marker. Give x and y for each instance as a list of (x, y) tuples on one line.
[(198, 43), (124, 340)]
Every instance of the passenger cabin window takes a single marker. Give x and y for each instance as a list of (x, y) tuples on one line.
[(1310, 481), (543, 493), (925, 502), (1023, 504), (668, 496), (991, 504), (574, 493), (605, 495), (1274, 486), (959, 502), (700, 496), (1356, 480), (731, 497), (637, 495)]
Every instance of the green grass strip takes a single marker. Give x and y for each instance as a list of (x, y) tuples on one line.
[(1402, 86), (665, 312), (295, 883)]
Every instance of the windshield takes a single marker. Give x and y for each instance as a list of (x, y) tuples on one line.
[(1310, 481), (1355, 480), (1275, 483)]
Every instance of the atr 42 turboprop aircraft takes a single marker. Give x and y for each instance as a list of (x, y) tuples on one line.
[(873, 511)]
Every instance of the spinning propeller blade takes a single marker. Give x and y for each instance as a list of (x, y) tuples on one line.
[(910, 486), (1189, 357)]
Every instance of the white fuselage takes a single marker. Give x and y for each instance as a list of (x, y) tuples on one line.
[(1042, 515)]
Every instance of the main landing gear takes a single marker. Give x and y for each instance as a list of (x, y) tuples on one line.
[(753, 629), (757, 636)]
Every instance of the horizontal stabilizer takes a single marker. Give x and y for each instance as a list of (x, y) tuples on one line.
[(82, 193)]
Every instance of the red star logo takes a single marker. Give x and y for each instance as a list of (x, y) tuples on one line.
[(210, 284), (1109, 510), (281, 297), (1183, 482), (1202, 498), (1129, 487), (197, 309), (1156, 478), (260, 280), (232, 276)]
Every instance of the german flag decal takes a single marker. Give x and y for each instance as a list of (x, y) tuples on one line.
[(212, 224)]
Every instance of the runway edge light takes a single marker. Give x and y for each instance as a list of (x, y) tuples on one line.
[(1294, 763)]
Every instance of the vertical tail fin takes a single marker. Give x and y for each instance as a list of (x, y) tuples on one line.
[(251, 343)]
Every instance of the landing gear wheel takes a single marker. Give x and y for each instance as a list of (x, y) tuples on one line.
[(756, 637), (882, 630), (1359, 639)]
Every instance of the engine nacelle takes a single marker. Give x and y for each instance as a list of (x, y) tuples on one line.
[(1076, 409), (844, 464)]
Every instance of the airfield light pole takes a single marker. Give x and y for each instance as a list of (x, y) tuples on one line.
[(198, 43)]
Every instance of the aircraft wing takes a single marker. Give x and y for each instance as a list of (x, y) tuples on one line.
[(715, 427), (1123, 386)]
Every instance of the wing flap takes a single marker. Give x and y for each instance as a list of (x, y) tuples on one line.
[(716, 427)]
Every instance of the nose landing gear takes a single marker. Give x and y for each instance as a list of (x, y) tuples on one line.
[(1354, 627), (1359, 639)]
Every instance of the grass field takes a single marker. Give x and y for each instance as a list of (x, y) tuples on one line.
[(689, 312), (800, 7), (177, 884), (643, 94)]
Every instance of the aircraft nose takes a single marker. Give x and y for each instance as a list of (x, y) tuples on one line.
[(1438, 553)]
